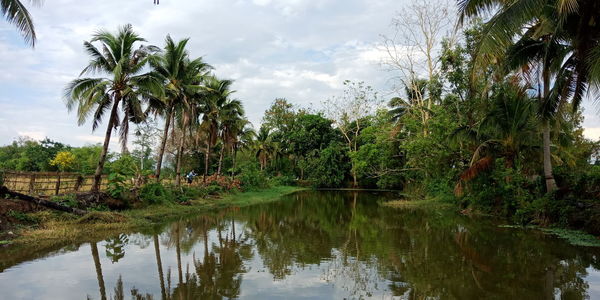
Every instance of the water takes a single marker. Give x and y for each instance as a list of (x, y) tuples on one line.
[(310, 245)]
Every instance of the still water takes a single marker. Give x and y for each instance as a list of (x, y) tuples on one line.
[(310, 245)]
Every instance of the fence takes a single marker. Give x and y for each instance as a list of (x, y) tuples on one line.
[(49, 183)]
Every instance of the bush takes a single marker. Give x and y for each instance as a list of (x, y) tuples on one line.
[(154, 193), (117, 185), (251, 177), (283, 180)]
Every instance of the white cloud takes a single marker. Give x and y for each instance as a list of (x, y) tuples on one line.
[(298, 49), (592, 133)]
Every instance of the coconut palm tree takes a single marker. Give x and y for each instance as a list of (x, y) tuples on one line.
[(541, 49), (181, 76), (217, 93), (231, 118), (16, 13), (243, 136), (508, 130), (544, 24), (123, 83), (264, 146)]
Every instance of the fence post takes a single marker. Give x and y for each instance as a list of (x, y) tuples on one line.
[(78, 183), (32, 184), (57, 187)]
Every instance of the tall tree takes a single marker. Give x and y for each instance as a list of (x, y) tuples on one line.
[(545, 24), (217, 93), (124, 84), (349, 113), (231, 123), (16, 13), (182, 77)]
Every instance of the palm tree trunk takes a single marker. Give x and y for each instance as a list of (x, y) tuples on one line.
[(98, 266), (163, 144), (180, 157), (549, 177), (220, 161), (206, 159), (233, 160), (104, 153)]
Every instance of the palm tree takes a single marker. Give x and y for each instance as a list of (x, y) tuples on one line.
[(540, 25), (217, 100), (124, 84), (508, 130), (242, 138), (264, 146), (543, 49), (231, 118), (16, 13), (181, 77)]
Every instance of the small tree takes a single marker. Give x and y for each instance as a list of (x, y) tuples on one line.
[(349, 113), (64, 161)]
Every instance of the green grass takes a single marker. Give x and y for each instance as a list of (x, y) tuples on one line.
[(56, 227), (2, 242)]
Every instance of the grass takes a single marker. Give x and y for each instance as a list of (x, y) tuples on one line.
[(61, 228)]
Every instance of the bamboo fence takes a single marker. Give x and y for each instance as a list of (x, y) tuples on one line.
[(49, 183)]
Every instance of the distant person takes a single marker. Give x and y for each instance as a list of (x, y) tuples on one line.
[(190, 176)]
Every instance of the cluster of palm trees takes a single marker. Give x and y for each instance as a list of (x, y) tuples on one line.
[(138, 82), (554, 43)]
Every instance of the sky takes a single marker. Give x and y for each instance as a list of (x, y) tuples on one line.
[(301, 50)]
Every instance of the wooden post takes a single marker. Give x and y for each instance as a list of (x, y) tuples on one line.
[(57, 187), (32, 184), (78, 183)]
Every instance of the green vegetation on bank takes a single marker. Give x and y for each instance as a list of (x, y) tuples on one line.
[(52, 228)]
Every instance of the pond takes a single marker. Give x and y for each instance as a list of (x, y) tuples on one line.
[(311, 245)]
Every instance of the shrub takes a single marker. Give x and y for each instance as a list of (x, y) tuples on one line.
[(251, 177), (22, 217), (154, 193), (283, 180), (116, 185)]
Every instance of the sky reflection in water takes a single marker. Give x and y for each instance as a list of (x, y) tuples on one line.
[(314, 245)]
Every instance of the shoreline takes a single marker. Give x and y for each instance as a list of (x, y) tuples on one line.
[(61, 228)]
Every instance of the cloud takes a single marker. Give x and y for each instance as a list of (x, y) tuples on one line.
[(592, 133), (298, 49)]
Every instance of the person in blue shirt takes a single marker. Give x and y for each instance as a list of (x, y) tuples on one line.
[(190, 176)]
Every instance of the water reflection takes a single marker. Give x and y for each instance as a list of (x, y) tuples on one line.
[(322, 245)]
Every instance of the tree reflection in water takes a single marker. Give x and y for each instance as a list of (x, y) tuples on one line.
[(366, 250)]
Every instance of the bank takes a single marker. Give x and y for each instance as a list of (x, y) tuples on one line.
[(51, 228)]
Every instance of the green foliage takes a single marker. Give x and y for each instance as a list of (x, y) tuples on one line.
[(29, 155), (252, 177), (154, 193), (329, 168), (66, 200), (22, 217), (126, 165), (117, 185), (283, 180)]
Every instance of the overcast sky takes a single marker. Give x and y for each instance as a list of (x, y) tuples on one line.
[(301, 50)]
